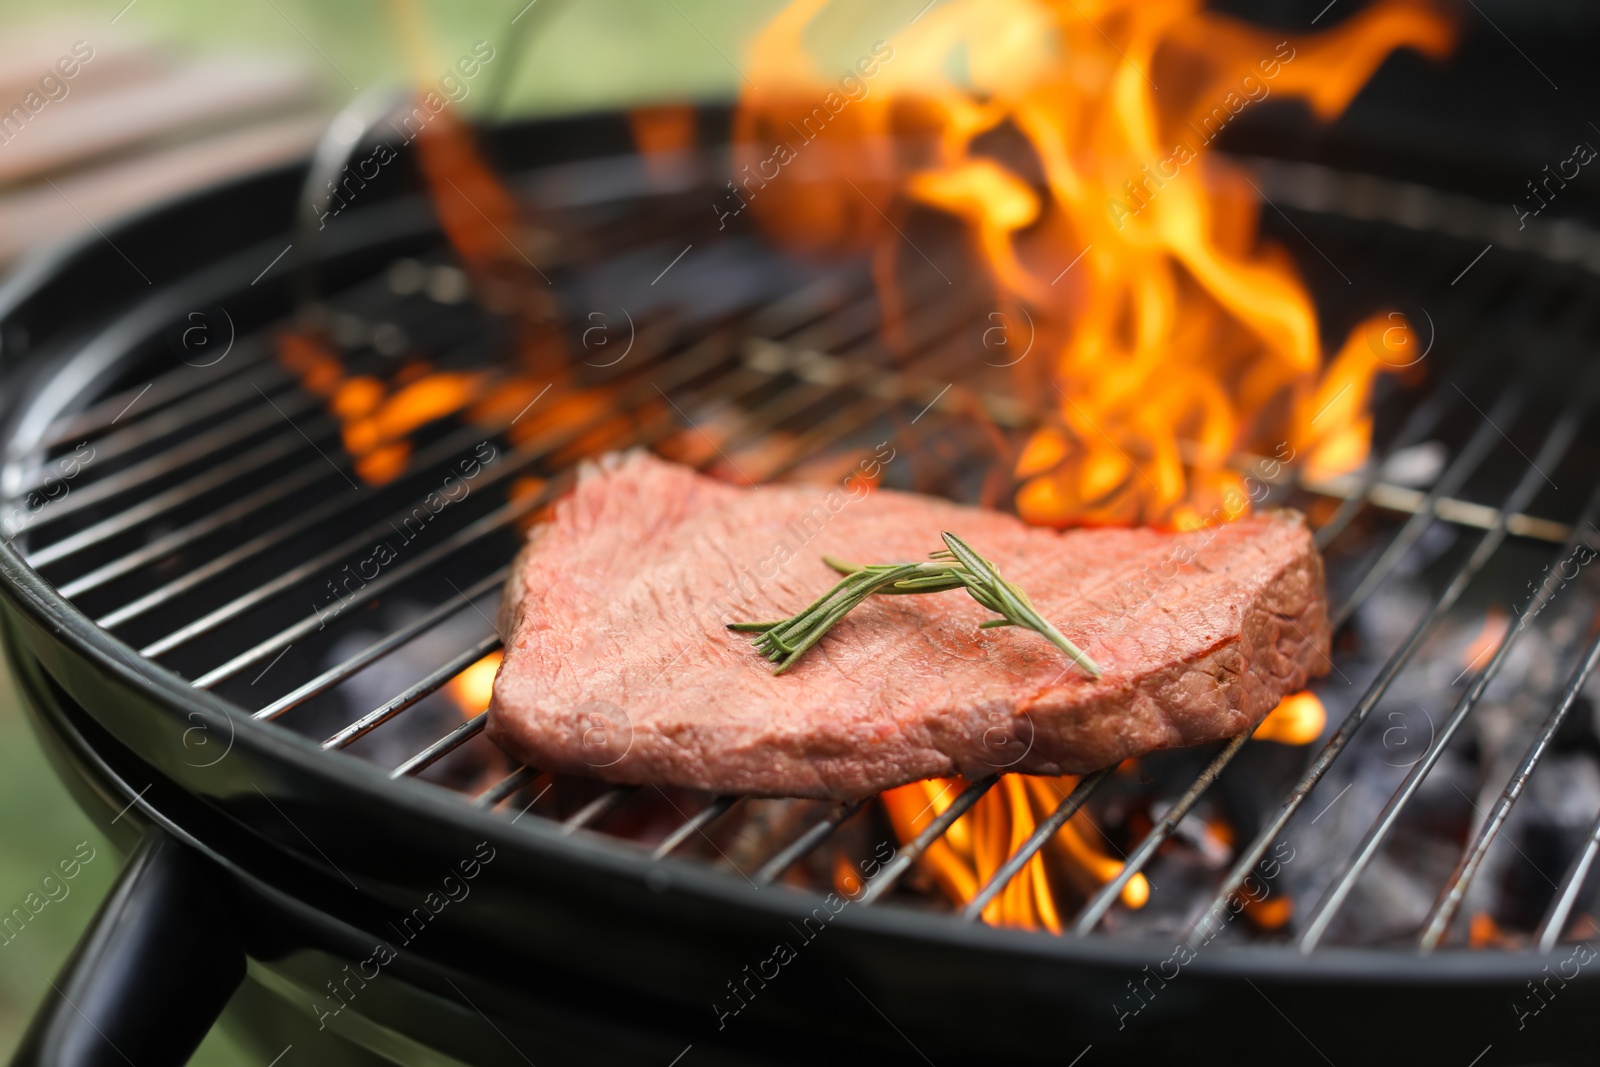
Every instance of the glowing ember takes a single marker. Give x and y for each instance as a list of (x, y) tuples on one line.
[(964, 860), (1484, 932), (377, 418), (472, 688), (1297, 720), (1495, 624), (1164, 318), (1269, 914), (660, 133)]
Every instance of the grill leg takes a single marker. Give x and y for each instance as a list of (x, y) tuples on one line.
[(152, 972)]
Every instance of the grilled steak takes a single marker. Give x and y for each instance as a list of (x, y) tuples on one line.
[(618, 663)]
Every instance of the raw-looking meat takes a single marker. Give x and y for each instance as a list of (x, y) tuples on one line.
[(618, 662)]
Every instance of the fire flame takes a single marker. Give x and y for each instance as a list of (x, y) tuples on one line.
[(1495, 624), (472, 688), (1297, 720), (1094, 204), (1173, 337), (969, 854), (480, 219)]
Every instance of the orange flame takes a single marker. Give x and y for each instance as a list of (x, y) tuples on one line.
[(472, 688), (1039, 124), (1484, 932), (480, 219), (478, 214), (1269, 914), (1297, 720), (660, 133), (1495, 624), (970, 853), (377, 418), (1174, 338)]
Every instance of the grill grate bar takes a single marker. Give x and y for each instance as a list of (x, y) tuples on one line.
[(814, 836), (191, 450), (295, 575), (164, 390), (1566, 898), (382, 647), (1108, 894), (153, 550), (854, 369), (1466, 305), (505, 787), (442, 747), (684, 365), (1483, 441), (597, 808), (149, 425), (215, 618), (328, 509), (149, 507), (1249, 857), (891, 872), (1455, 890), (412, 694), (1420, 423), (1550, 454), (1043, 833), (491, 523), (1453, 510), (877, 403), (317, 431), (692, 362), (707, 815)]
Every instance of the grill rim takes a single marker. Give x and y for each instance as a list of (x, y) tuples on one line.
[(58, 622)]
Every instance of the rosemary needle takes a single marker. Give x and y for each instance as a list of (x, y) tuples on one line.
[(957, 566)]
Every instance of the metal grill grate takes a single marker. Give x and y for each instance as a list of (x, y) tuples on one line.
[(183, 518)]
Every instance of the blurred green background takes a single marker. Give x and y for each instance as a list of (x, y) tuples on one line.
[(579, 53), (576, 54)]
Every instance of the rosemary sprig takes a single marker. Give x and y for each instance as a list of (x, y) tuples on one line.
[(957, 566)]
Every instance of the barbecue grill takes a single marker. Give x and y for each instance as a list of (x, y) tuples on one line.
[(277, 753)]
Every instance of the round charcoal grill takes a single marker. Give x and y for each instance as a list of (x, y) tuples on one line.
[(279, 755)]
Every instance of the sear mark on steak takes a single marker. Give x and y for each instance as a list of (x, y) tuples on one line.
[(618, 663)]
